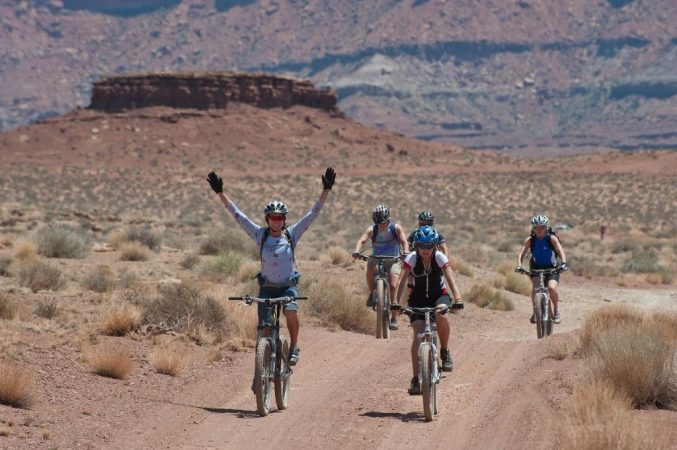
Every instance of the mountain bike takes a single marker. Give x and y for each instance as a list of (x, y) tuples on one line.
[(381, 294), (543, 310), (429, 372), (271, 362)]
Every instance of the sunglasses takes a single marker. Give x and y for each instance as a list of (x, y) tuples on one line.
[(426, 246), (276, 217), (425, 222)]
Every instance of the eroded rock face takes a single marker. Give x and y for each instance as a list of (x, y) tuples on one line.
[(120, 7), (207, 90)]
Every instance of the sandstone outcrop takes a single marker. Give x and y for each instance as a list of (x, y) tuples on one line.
[(207, 90)]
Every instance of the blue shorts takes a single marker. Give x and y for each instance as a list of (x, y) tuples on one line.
[(272, 292)]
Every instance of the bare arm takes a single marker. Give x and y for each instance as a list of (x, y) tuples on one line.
[(401, 286), (360, 242), (449, 276), (402, 238), (558, 248), (444, 249), (525, 249)]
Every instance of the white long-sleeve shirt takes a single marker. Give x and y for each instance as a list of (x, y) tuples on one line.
[(277, 258)]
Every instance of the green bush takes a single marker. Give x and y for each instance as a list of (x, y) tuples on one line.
[(624, 246), (222, 265), (518, 284), (38, 275), (62, 241), (146, 237), (47, 308), (99, 279), (8, 308), (228, 240), (486, 297), (642, 261)]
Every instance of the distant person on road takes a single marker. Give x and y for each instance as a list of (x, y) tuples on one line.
[(545, 249), (279, 274), (387, 239), (602, 232), (429, 268)]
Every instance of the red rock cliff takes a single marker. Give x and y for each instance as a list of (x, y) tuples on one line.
[(207, 90)]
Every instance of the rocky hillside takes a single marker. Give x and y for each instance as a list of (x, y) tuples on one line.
[(529, 74)]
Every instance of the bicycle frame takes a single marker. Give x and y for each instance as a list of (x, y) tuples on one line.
[(544, 308), (271, 364), (382, 310)]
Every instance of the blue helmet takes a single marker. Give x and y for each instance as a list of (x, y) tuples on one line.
[(426, 235)]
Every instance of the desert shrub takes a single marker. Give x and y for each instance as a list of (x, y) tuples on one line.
[(339, 256), (111, 362), (517, 283), (168, 360), (7, 240), (329, 301), (17, 386), (8, 308), (143, 236), (461, 267), (498, 282), (133, 251), (119, 318), (228, 240), (222, 265), (644, 261), (5, 262), (585, 266), (62, 241), (603, 319), (506, 246), (626, 245), (189, 261), (636, 357), (47, 308), (38, 275), (559, 347), (485, 296), (473, 254), (99, 279), (248, 271), (184, 307), (25, 251)]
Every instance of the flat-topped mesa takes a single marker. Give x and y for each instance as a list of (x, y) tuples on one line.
[(207, 91)]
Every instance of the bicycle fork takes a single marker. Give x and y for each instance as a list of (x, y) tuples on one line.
[(423, 347)]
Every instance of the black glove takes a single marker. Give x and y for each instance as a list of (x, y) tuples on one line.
[(563, 267), (215, 182), (328, 178), (355, 255), (458, 304), (519, 269)]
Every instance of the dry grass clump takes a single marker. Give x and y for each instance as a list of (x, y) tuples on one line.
[(634, 352), (25, 251), (134, 251), (8, 308), (184, 307), (168, 360), (228, 240), (143, 236), (7, 240), (5, 262), (484, 296), (642, 261), (119, 318), (110, 361), (559, 347), (248, 270), (240, 323), (517, 283), (99, 279), (47, 308), (222, 265), (601, 418), (17, 386), (329, 301), (38, 275), (62, 241), (626, 245), (461, 267), (584, 266), (473, 254), (339, 256), (189, 261)]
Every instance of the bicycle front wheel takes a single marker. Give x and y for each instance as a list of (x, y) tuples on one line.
[(549, 322), (540, 329), (262, 376), (385, 318), (427, 382), (380, 301), (282, 374)]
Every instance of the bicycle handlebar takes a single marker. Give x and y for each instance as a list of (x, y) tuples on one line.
[(377, 258), (539, 271), (417, 310), (249, 299)]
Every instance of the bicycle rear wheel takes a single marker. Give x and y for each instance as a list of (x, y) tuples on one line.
[(540, 329), (282, 374), (427, 383), (262, 376), (380, 299)]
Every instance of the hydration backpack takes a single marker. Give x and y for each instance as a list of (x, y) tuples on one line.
[(286, 234), (374, 232)]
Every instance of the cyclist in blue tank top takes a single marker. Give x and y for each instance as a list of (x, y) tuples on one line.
[(386, 239), (545, 249)]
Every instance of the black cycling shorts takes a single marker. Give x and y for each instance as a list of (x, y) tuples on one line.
[(443, 300)]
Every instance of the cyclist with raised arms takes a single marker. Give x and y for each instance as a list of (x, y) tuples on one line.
[(279, 274), (387, 238), (545, 248), (429, 268)]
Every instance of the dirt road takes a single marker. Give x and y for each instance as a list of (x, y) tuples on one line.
[(349, 391)]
